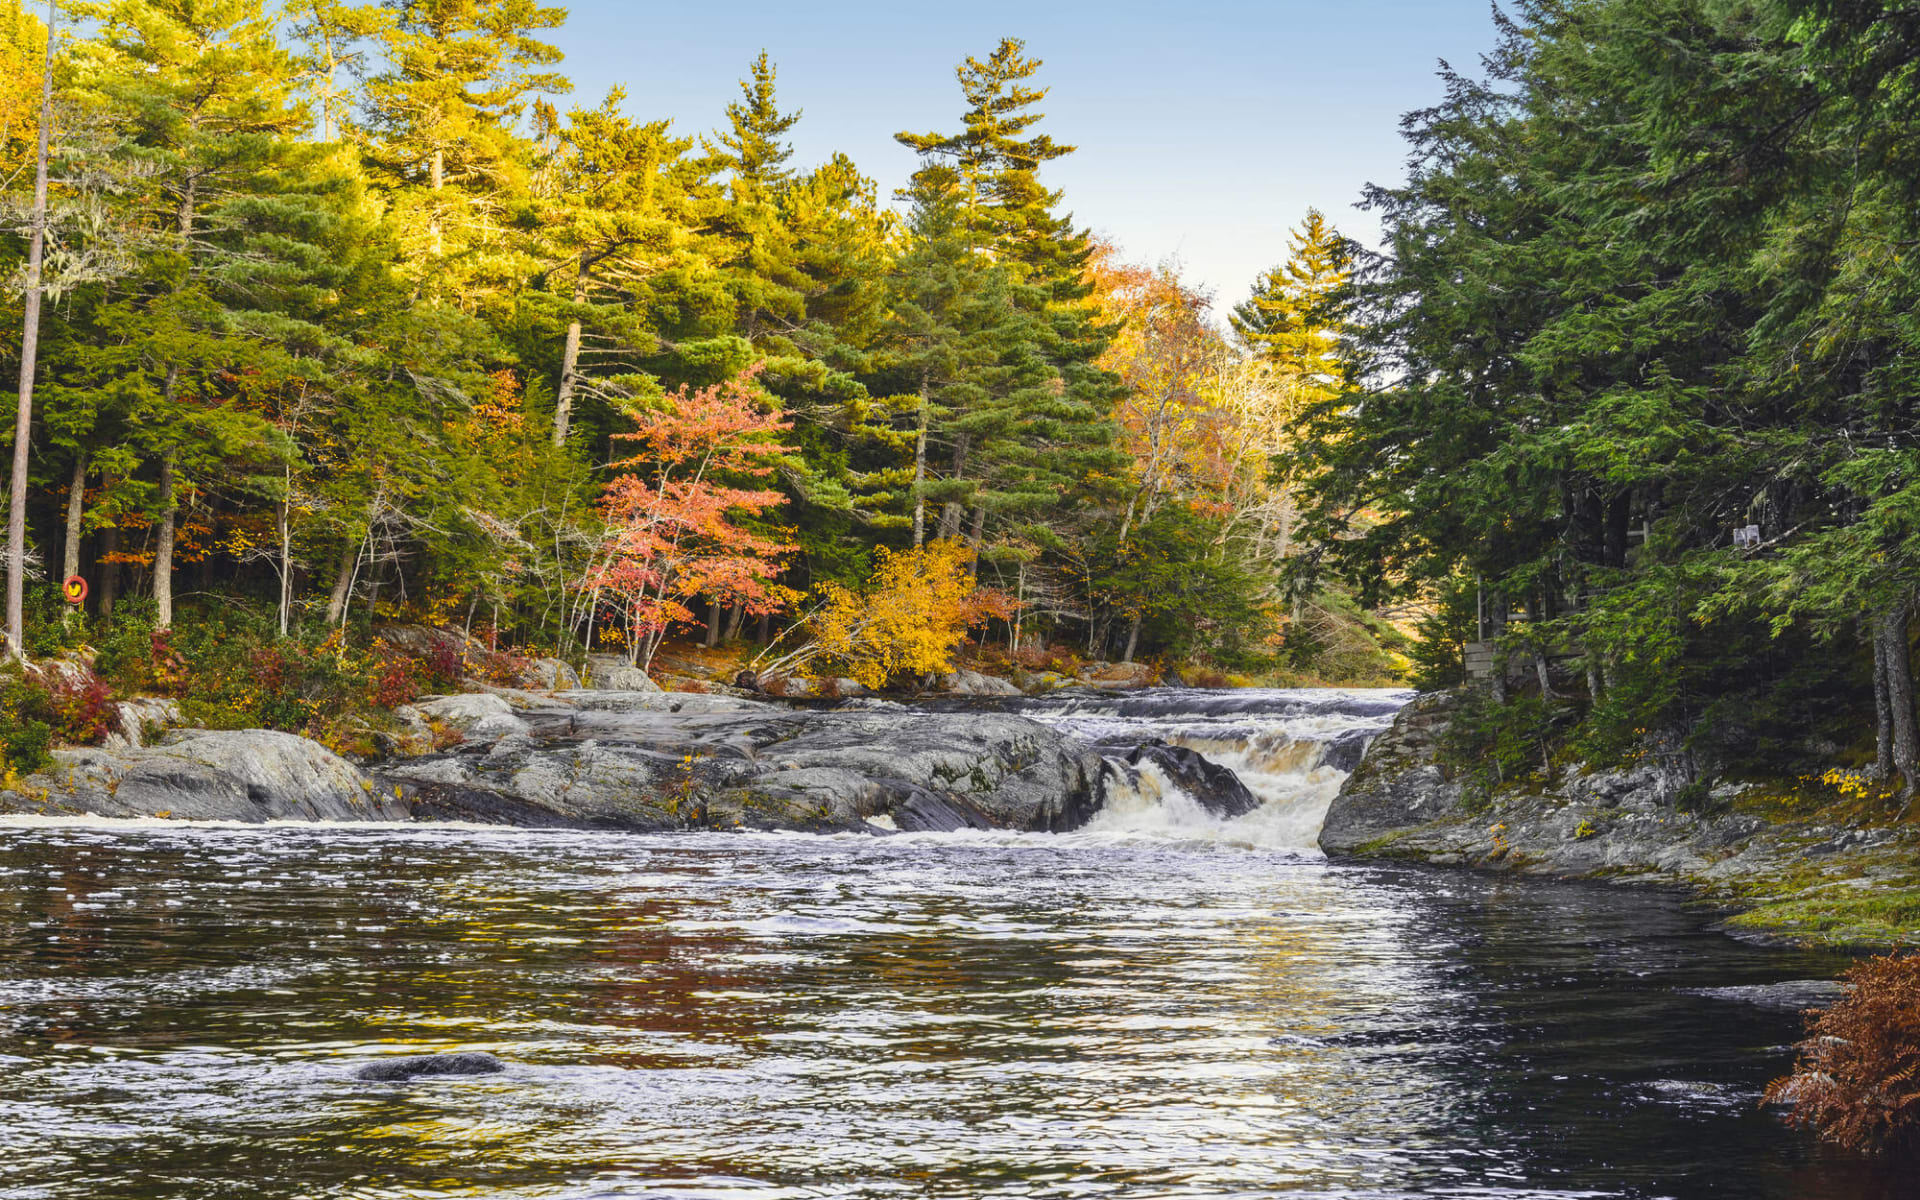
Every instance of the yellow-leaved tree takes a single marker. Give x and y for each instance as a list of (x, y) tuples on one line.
[(909, 619)]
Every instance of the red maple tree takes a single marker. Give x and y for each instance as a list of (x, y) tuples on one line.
[(673, 514)]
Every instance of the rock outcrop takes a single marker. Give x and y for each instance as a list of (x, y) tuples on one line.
[(201, 775), (647, 761)]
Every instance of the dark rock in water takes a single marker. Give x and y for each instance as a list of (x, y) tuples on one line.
[(1215, 788), (1794, 995), (922, 811), (1345, 752), (398, 1070)]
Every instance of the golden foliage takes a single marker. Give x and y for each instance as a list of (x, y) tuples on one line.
[(913, 614)]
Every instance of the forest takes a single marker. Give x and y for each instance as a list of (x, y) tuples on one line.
[(348, 322), (1642, 348)]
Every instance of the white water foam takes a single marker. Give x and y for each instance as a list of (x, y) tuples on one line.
[(1275, 741)]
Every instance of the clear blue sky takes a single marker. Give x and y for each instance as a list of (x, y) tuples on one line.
[(1205, 129)]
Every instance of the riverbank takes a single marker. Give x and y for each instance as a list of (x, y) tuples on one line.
[(1779, 858)]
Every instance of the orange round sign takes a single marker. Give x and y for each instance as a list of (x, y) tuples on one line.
[(75, 589)]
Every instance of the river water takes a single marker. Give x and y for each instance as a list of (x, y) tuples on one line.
[(1160, 1005)]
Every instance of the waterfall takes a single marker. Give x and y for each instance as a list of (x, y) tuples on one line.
[(1289, 749)]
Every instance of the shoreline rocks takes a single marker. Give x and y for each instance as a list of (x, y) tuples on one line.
[(1641, 823)]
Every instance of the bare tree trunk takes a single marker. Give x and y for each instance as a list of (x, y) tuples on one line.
[(569, 363), (29, 355), (766, 627), (920, 471), (1891, 631), (1133, 639), (1882, 710), (163, 548), (714, 616), (283, 525), (342, 582), (738, 618)]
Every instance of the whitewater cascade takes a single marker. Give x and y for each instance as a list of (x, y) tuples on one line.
[(1289, 747)]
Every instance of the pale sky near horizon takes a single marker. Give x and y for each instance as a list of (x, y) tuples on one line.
[(1204, 131)]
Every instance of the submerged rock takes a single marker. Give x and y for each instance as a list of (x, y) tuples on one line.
[(399, 1070), (1794, 995)]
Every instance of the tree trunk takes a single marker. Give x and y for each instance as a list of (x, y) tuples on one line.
[(76, 515), (1891, 631), (1133, 639), (342, 583), (979, 530), (1619, 516), (952, 511), (1882, 711), (569, 363), (283, 525), (163, 548), (29, 353), (714, 615), (108, 569), (738, 618), (920, 471)]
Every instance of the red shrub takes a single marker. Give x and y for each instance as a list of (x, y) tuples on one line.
[(1857, 1081), (398, 683), (83, 712)]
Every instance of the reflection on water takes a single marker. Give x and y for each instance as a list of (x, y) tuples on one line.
[(181, 1011)]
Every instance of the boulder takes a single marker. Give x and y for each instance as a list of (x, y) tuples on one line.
[(141, 716), (227, 775), (479, 716), (1212, 786), (973, 683), (1118, 676), (552, 675), (610, 673)]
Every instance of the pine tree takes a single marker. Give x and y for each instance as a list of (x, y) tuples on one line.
[(751, 148), (459, 74), (1293, 319)]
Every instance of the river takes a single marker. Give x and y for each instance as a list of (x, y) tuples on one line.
[(1166, 1003)]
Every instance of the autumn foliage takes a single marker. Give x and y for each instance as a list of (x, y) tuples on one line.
[(910, 617), (677, 514), (1858, 1078)]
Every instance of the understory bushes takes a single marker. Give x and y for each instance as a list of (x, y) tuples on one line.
[(229, 669)]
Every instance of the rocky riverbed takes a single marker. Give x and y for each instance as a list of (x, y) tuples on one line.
[(1777, 874)]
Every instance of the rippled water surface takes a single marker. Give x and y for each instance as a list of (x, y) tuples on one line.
[(181, 1011)]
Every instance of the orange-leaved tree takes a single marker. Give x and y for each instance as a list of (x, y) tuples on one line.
[(909, 619), (678, 515)]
